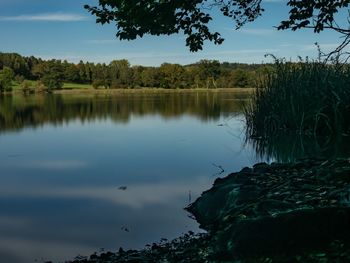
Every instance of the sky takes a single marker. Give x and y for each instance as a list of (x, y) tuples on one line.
[(65, 30)]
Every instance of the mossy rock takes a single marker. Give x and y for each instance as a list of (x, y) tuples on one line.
[(277, 207)]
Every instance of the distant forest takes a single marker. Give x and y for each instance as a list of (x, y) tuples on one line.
[(119, 74)]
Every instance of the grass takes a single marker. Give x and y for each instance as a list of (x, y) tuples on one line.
[(311, 98), (17, 85), (76, 86), (66, 86)]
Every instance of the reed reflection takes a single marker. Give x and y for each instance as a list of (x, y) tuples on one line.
[(291, 147)]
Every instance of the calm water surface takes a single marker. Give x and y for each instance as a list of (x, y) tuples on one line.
[(79, 174), (83, 173)]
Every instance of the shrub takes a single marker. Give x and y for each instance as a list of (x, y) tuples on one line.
[(19, 78), (27, 86), (52, 81), (97, 83), (6, 78), (39, 87)]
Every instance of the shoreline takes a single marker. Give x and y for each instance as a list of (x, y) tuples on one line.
[(129, 91), (148, 90), (279, 212)]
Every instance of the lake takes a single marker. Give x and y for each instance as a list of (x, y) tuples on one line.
[(86, 173), (81, 174)]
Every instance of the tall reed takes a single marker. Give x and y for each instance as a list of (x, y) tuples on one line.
[(311, 98)]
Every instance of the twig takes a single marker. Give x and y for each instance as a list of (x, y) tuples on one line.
[(221, 169)]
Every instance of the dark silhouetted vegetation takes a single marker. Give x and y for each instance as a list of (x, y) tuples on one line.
[(135, 19)]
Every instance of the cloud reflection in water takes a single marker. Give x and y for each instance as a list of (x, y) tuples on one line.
[(93, 217)]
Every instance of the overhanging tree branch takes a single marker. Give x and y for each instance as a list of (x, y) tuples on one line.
[(135, 18)]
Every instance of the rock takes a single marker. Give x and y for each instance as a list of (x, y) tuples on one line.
[(293, 231), (277, 207)]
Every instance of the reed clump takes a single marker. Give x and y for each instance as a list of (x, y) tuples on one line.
[(308, 97)]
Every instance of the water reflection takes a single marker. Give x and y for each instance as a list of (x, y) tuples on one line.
[(291, 147), (17, 112), (77, 171), (60, 182)]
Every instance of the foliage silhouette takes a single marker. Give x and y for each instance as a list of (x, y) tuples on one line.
[(139, 17)]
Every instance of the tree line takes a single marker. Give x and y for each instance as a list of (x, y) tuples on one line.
[(51, 74)]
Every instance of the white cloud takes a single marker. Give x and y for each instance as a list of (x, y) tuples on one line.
[(102, 41), (48, 17), (324, 47), (258, 31), (254, 31), (286, 45)]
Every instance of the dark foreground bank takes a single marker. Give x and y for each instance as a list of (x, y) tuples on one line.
[(297, 212)]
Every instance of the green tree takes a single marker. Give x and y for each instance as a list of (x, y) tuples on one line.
[(150, 77), (101, 76), (191, 17), (209, 72), (136, 72), (16, 62), (225, 79), (71, 73), (241, 78), (173, 76), (52, 76), (88, 72), (39, 69), (6, 77), (120, 73), (193, 76), (27, 86), (82, 73)]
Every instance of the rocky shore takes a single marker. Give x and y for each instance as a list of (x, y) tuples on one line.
[(296, 212)]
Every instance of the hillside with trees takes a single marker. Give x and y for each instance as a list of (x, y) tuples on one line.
[(51, 74)]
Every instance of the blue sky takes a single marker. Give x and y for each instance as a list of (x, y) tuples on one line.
[(64, 30)]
